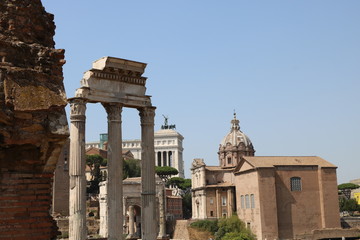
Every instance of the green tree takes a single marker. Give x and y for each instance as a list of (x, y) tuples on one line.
[(185, 186), (187, 205), (349, 205), (131, 168), (165, 172), (94, 162), (346, 188)]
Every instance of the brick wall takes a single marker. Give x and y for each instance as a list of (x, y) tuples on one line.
[(25, 201)]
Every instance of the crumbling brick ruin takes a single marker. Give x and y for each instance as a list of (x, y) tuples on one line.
[(33, 124)]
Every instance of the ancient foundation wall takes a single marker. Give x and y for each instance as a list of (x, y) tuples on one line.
[(25, 206)]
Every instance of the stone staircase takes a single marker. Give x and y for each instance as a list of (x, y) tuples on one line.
[(181, 231)]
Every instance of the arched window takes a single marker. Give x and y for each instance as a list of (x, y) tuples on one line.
[(247, 201), (295, 184), (252, 200), (242, 201)]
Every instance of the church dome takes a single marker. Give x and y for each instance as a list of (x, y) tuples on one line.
[(234, 145), (236, 137)]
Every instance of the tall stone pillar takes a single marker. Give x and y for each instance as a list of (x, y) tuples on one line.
[(229, 202), (131, 222), (77, 198), (162, 220), (218, 204), (148, 201), (115, 172)]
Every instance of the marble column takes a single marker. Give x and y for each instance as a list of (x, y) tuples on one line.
[(148, 201), (131, 222), (77, 198), (162, 220), (115, 172)]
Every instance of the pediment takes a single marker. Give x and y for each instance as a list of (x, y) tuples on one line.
[(243, 166)]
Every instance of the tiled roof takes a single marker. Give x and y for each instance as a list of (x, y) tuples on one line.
[(271, 161)]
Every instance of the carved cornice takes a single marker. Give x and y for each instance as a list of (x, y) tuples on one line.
[(147, 115), (113, 110), (121, 77), (77, 109)]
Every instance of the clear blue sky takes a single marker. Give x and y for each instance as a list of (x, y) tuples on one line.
[(289, 68)]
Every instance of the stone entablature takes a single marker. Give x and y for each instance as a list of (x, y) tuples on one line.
[(120, 82)]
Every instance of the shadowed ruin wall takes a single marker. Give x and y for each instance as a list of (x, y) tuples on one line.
[(33, 125)]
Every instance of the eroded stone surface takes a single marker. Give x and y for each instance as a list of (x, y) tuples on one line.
[(33, 125)]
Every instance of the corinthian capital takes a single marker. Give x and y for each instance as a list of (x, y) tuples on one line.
[(77, 108), (147, 115), (113, 110)]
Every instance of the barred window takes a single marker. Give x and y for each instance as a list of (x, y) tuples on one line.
[(242, 201), (247, 201), (295, 184), (252, 200)]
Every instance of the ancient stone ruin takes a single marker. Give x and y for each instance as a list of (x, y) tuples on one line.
[(33, 125), (115, 83)]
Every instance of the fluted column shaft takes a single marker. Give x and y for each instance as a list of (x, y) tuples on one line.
[(77, 195), (115, 172), (148, 201)]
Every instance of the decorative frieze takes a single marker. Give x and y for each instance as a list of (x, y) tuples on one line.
[(119, 77)]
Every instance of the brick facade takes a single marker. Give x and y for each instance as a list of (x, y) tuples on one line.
[(25, 205)]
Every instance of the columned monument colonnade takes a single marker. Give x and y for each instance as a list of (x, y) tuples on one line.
[(115, 83), (164, 158)]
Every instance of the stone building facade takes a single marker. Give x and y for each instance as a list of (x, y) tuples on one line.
[(168, 145), (277, 197)]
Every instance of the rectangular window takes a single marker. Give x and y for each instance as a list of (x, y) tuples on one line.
[(252, 200), (211, 201), (247, 201), (211, 213), (242, 201), (223, 201), (295, 184)]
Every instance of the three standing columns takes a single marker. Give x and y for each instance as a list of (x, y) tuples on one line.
[(148, 198), (77, 218), (77, 198)]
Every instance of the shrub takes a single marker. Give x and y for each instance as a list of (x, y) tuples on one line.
[(206, 225), (237, 236), (233, 226)]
